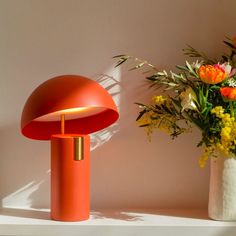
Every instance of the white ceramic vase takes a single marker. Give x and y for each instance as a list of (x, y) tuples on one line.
[(222, 194)]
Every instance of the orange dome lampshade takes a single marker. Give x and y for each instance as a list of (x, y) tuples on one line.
[(87, 107), (65, 109)]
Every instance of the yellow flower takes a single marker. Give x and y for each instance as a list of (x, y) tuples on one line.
[(159, 100), (202, 160), (205, 156), (218, 111), (145, 119), (226, 142)]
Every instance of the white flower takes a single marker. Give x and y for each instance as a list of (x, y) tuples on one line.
[(226, 67), (188, 98), (231, 82)]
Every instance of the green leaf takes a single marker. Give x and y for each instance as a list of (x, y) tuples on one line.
[(141, 104), (137, 66), (229, 44), (203, 110), (145, 125), (200, 143), (122, 55), (225, 58), (191, 69), (140, 115), (121, 62), (176, 75), (182, 67), (214, 87)]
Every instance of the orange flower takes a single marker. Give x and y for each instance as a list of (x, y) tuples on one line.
[(228, 93), (212, 74)]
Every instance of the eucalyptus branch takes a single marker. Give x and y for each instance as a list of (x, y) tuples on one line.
[(174, 80), (192, 52), (139, 63)]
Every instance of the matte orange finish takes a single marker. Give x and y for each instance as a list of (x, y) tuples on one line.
[(84, 107), (69, 179), (67, 92)]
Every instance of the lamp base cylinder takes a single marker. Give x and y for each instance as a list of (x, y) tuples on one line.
[(70, 185)]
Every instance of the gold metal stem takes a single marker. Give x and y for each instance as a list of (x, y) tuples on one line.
[(62, 123), (78, 148)]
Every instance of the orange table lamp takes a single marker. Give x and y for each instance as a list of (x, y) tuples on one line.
[(65, 109)]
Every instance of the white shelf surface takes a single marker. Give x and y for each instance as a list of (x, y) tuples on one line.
[(115, 223)]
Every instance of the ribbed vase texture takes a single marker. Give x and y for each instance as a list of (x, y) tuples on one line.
[(222, 194)]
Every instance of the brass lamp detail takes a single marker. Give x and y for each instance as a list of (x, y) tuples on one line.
[(78, 142), (78, 148)]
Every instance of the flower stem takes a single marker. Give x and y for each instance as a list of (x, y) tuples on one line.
[(231, 108), (207, 90)]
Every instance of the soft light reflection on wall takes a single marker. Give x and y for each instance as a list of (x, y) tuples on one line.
[(110, 80), (20, 199)]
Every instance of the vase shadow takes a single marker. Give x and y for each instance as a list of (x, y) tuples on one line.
[(140, 214), (200, 214)]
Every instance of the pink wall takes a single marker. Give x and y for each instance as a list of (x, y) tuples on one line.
[(41, 39)]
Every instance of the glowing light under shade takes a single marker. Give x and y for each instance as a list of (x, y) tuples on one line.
[(72, 113)]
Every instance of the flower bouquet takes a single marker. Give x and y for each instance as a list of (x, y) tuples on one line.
[(200, 93), (204, 94)]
